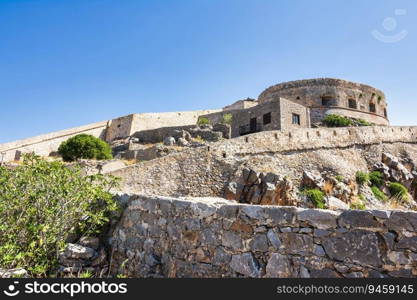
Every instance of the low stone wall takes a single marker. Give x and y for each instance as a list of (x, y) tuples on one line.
[(206, 237)]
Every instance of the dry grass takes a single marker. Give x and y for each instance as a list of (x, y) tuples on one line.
[(129, 162), (328, 188)]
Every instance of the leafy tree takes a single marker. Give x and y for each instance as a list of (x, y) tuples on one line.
[(84, 146), (41, 203)]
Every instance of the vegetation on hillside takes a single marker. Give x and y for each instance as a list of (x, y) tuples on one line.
[(41, 204), (337, 121)]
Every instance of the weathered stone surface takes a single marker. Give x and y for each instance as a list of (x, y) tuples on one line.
[(216, 238), (259, 243), (280, 215), (274, 239), (358, 219), (14, 273), (321, 219), (357, 246), (335, 203), (232, 240), (279, 266), (313, 179), (221, 257), (169, 141), (323, 273), (90, 242), (400, 221), (76, 251), (245, 264), (295, 243), (408, 243), (398, 258)]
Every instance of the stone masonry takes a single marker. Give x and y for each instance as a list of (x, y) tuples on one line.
[(199, 237)]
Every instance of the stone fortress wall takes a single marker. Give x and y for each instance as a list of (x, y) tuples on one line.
[(110, 130), (327, 95), (168, 237), (46, 144)]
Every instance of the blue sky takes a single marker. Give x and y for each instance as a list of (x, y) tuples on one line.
[(65, 63)]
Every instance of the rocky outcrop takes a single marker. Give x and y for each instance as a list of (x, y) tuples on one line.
[(261, 188), (168, 237), (87, 255)]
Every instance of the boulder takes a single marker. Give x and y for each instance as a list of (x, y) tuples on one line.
[(75, 251), (335, 203), (14, 273), (313, 179), (90, 241), (182, 142), (169, 141)]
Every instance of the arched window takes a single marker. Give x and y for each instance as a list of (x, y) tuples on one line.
[(385, 113), (372, 107), (352, 104)]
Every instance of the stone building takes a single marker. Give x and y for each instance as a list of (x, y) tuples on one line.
[(302, 103)]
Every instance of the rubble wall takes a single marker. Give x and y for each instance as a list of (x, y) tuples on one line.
[(199, 237)]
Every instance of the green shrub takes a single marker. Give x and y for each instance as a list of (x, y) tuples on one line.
[(339, 178), (379, 194), (41, 204), (203, 121), (84, 146), (362, 122), (362, 177), (227, 119), (362, 197), (316, 196), (376, 178), (357, 205), (337, 121), (398, 190)]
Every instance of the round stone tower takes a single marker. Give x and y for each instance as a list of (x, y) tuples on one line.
[(332, 96)]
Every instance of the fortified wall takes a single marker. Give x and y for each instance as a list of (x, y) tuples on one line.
[(342, 97), (122, 127), (205, 171), (47, 144), (168, 237)]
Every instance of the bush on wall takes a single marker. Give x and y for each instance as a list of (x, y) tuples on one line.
[(337, 121), (84, 146), (41, 203), (203, 121)]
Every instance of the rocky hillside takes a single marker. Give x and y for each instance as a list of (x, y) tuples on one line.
[(321, 173)]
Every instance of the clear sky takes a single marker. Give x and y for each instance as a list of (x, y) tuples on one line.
[(65, 63)]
